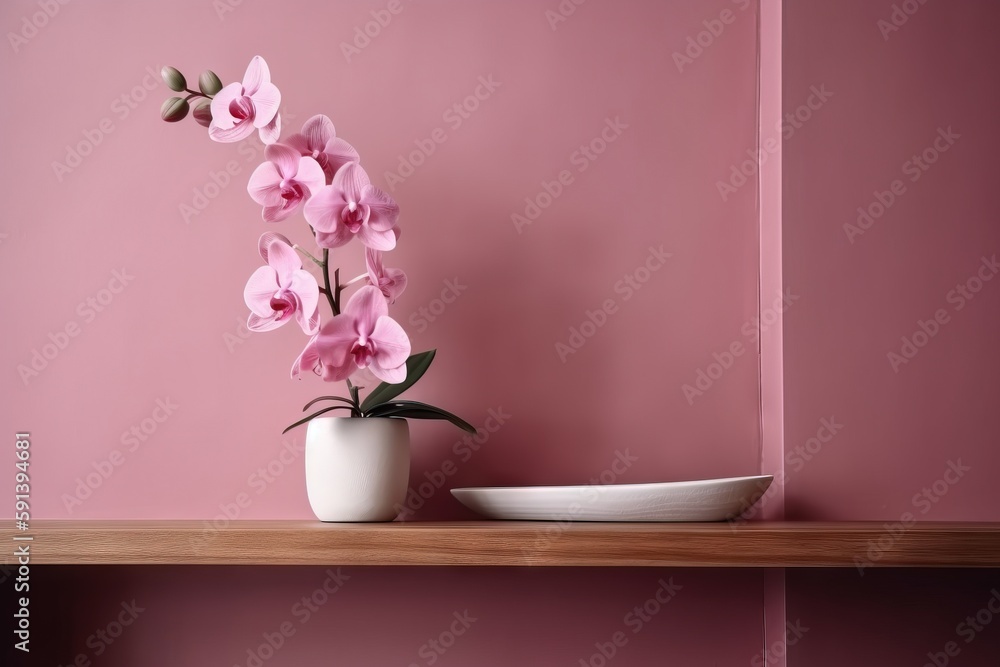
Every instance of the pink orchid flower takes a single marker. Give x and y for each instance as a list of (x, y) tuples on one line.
[(364, 378), (239, 108), (284, 181), (309, 360), (281, 290), (351, 206), (391, 282), (362, 336), (318, 140)]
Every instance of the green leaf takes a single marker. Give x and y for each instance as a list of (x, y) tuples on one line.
[(417, 410), (329, 398), (416, 366), (316, 414), (354, 392)]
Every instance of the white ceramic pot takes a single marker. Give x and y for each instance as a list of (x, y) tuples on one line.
[(357, 469)]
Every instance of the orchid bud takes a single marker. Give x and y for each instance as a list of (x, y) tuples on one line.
[(202, 112), (173, 78), (209, 82), (174, 109)]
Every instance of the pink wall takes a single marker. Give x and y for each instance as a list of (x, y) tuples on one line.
[(690, 124), (121, 208), (388, 616), (864, 289), (172, 335)]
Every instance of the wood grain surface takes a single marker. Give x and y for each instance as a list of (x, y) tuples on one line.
[(500, 543)]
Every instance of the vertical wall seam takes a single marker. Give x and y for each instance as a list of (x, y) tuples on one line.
[(770, 343)]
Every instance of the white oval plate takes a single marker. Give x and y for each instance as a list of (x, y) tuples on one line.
[(699, 500)]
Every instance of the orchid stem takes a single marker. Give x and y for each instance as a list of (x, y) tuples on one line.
[(326, 281), (354, 280), (337, 287), (308, 254)]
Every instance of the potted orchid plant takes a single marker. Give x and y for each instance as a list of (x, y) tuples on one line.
[(357, 467)]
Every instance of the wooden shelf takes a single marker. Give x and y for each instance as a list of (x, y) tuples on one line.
[(501, 543)]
